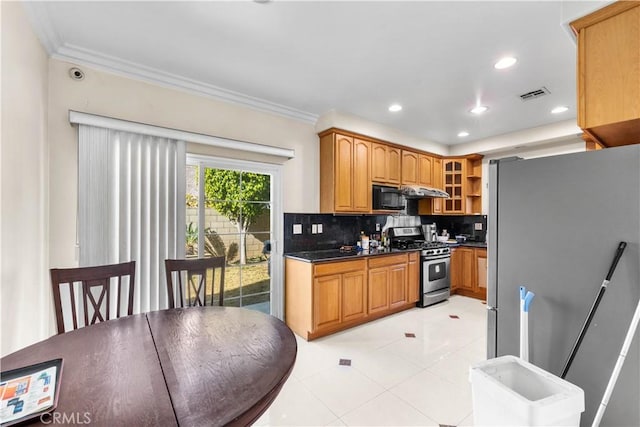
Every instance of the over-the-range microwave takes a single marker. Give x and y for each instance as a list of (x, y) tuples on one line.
[(387, 198)]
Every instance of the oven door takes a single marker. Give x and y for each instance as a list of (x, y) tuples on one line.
[(435, 273)]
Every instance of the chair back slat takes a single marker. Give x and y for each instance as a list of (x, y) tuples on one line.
[(94, 286), (196, 273)]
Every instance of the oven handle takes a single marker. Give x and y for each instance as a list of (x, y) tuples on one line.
[(425, 258)]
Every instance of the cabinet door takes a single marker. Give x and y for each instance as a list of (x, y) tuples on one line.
[(343, 173), (361, 190), (378, 289), (425, 170), (454, 181), (354, 295), (437, 183), (409, 167), (379, 163), (326, 301), (481, 272), (413, 277), (467, 269), (397, 285), (393, 165), (455, 269), (608, 67)]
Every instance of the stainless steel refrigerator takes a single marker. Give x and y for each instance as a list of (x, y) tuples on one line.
[(554, 226)]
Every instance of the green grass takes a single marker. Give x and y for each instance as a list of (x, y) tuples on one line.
[(253, 277)]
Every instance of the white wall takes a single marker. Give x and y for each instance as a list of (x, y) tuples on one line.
[(25, 295), (120, 97)]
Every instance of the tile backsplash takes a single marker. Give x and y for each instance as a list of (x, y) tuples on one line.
[(338, 230)]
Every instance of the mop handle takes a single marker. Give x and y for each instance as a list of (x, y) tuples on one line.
[(618, 367), (621, 247), (593, 309)]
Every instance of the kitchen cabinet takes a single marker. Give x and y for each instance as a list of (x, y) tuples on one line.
[(385, 164), (413, 279), (345, 174), (410, 167), (468, 272), (454, 180), (387, 282), (436, 207), (417, 169), (608, 74), (325, 297), (321, 298), (463, 181), (433, 206)]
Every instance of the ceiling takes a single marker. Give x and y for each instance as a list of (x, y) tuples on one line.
[(303, 59)]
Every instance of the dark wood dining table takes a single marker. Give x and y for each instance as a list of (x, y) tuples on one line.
[(199, 366)]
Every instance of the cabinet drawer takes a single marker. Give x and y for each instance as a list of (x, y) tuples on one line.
[(338, 267), (381, 261)]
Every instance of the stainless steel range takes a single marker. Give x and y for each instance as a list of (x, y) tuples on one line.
[(435, 282)]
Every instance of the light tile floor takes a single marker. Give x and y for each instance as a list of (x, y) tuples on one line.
[(393, 380)]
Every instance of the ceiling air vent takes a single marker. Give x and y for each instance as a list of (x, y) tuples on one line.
[(535, 94)]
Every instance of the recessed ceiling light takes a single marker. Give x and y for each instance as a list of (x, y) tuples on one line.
[(559, 110), (505, 62), (479, 109), (395, 108), (463, 134)]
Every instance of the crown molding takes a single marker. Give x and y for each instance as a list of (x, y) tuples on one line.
[(42, 26), (77, 54)]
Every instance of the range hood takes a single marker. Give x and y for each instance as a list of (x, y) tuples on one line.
[(421, 192)]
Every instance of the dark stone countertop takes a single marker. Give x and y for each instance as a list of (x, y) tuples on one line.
[(469, 244), (336, 254)]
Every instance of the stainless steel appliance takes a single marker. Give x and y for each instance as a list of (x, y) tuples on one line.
[(554, 225), (387, 198), (435, 257), (422, 192), (430, 232)]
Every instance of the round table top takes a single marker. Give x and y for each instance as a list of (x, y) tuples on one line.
[(186, 366)]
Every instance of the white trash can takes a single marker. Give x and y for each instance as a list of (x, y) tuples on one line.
[(507, 391)]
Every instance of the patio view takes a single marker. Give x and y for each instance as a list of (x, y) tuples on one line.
[(236, 223)]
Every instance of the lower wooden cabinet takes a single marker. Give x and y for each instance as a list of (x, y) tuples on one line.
[(322, 298), (468, 272)]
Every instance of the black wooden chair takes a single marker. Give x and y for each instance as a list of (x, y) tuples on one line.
[(199, 279), (84, 283)]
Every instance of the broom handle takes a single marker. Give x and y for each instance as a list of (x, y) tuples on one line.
[(616, 369), (593, 309)]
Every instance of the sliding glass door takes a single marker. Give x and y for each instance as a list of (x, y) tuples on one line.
[(233, 210)]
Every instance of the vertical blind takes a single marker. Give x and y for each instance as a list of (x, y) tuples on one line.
[(131, 205)]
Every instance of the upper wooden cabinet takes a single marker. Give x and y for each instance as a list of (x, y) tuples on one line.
[(436, 204), (417, 169), (463, 181), (609, 74), (345, 174), (454, 173), (409, 168), (385, 164)]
